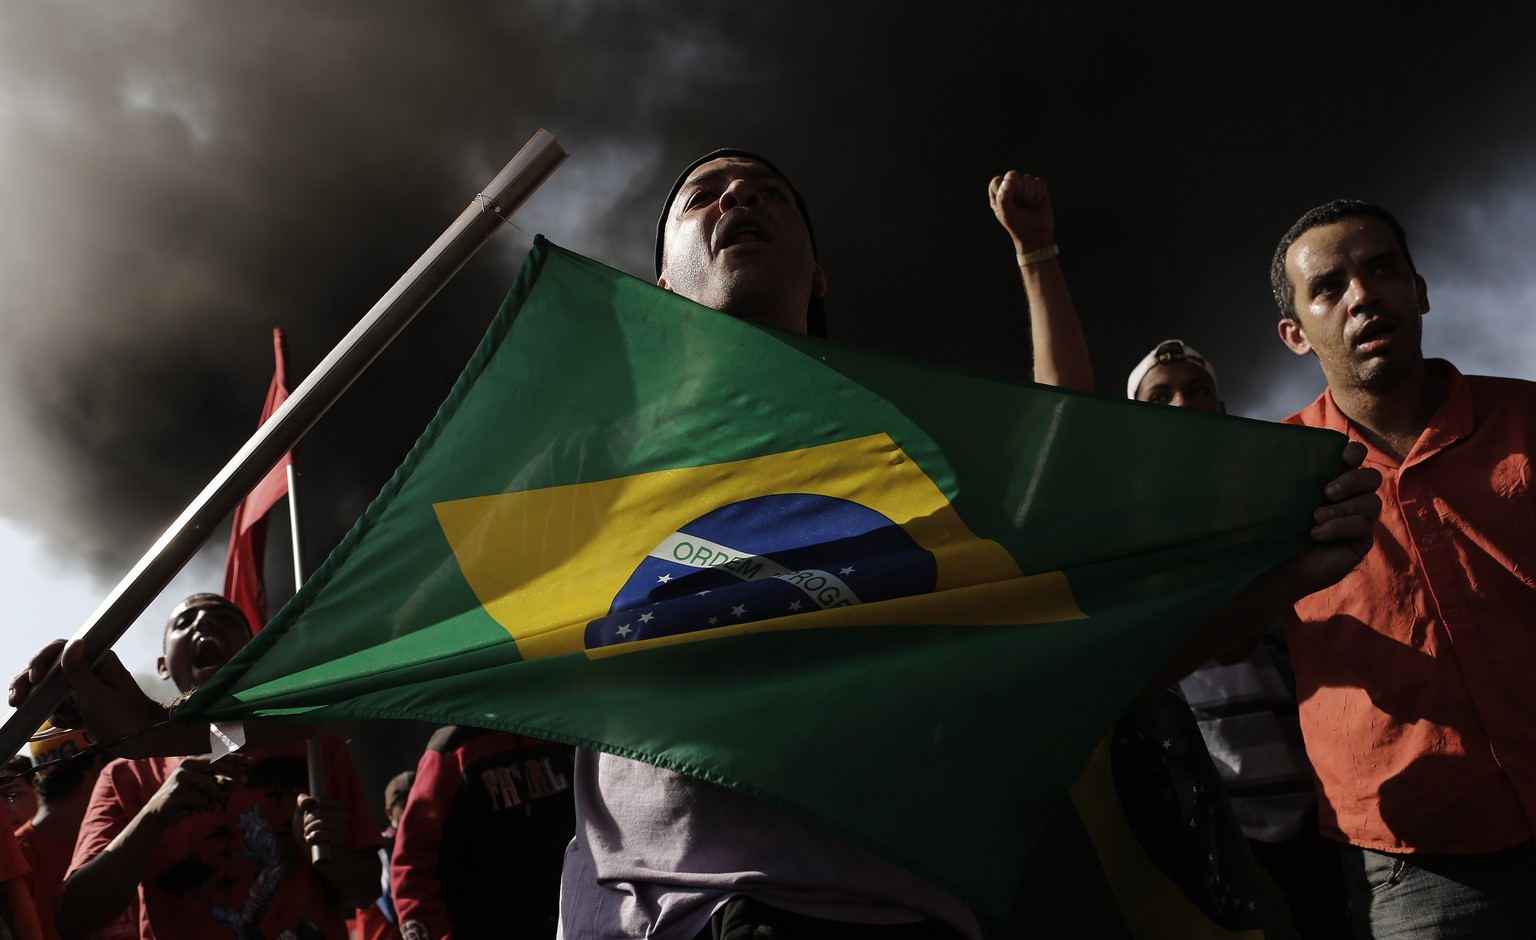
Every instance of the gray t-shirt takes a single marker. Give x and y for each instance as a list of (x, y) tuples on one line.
[(656, 853)]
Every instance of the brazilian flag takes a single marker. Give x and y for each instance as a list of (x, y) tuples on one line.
[(640, 526)]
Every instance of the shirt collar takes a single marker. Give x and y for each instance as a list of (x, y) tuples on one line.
[(1452, 421)]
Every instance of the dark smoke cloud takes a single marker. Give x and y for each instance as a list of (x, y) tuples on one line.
[(178, 178)]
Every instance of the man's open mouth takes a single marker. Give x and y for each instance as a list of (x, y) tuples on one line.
[(737, 230), (1374, 336), (208, 652)]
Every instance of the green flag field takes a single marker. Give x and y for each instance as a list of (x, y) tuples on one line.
[(903, 600)]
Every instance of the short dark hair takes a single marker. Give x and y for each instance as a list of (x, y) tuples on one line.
[(203, 599), (398, 789), (1325, 214), (67, 776), (19, 767)]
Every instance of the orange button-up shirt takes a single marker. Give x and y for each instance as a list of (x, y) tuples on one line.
[(1416, 674)]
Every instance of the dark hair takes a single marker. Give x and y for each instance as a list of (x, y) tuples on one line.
[(398, 789), (19, 765), (1325, 214), (16, 768), (65, 777), (816, 316)]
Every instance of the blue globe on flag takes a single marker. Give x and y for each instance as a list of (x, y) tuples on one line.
[(762, 558)]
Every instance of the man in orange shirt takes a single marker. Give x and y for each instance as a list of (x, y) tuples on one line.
[(1414, 671)]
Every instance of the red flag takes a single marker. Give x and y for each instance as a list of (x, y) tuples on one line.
[(244, 583)]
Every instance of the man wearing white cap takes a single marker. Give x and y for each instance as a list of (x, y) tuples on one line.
[(1174, 373)]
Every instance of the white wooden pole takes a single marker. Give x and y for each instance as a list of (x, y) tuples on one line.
[(518, 180)]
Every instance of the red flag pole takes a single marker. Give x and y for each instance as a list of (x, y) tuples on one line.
[(176, 546)]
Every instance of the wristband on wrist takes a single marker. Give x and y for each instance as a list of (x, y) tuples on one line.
[(1039, 254)]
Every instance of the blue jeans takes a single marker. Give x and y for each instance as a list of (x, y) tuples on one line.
[(1490, 896)]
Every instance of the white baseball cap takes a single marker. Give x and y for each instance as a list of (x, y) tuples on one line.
[(1169, 350)]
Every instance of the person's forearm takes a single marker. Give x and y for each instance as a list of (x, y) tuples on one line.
[(177, 738), (103, 888), (1232, 630), (1341, 536), (354, 877), (166, 738), (1060, 351), (415, 881)]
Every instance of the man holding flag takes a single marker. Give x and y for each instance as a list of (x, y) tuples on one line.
[(668, 855), (204, 845), (1414, 671), (656, 851), (734, 235)]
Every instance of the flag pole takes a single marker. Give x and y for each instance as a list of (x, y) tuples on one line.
[(504, 195), (314, 754), (299, 568), (319, 855)]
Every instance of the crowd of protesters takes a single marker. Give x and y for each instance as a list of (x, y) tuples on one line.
[(1410, 812), (196, 846)]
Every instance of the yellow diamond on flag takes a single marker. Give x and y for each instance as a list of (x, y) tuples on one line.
[(843, 534)]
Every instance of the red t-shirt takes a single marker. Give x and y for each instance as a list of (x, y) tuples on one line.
[(1414, 673), (222, 872), (14, 884), (13, 864), (49, 857)]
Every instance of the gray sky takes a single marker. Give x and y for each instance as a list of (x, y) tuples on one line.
[(178, 178)]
